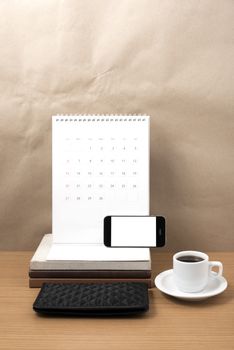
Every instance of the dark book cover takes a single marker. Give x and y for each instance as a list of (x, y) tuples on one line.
[(90, 273)]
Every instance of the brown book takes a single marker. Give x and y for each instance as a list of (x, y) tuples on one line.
[(90, 273), (37, 282)]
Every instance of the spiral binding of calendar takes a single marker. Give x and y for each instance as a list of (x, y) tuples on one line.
[(100, 118)]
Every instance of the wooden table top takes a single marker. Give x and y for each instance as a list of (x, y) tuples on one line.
[(169, 324)]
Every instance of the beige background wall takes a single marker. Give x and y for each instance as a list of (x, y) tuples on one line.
[(170, 59)]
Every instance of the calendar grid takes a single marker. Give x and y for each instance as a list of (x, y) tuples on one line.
[(98, 171)]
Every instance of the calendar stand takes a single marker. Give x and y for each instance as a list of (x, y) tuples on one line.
[(100, 168)]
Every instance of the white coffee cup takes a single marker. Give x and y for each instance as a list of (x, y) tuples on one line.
[(192, 276)]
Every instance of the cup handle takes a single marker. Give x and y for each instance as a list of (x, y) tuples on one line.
[(219, 265)]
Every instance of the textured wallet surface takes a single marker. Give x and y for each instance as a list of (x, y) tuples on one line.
[(119, 298)]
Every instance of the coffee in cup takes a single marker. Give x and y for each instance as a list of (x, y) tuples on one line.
[(192, 269), (190, 258)]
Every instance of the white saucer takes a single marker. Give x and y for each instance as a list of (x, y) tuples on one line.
[(165, 282)]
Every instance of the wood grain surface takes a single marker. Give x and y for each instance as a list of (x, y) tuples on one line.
[(169, 324)]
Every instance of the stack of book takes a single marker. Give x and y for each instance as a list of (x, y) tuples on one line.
[(61, 263)]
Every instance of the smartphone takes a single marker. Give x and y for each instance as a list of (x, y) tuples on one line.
[(134, 231)]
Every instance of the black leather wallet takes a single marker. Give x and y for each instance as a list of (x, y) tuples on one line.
[(84, 299)]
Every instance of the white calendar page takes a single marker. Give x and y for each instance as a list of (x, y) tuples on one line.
[(100, 168)]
